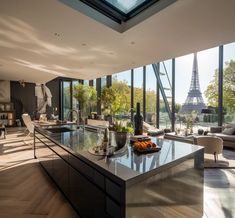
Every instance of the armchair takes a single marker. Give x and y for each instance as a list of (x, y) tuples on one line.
[(212, 145)]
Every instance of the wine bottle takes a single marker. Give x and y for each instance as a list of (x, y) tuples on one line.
[(138, 121)]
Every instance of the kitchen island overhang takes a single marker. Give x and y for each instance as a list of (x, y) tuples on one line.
[(157, 184)]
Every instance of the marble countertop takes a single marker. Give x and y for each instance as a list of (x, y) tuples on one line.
[(130, 165)]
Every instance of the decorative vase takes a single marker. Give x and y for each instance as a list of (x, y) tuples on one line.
[(121, 138), (200, 131)]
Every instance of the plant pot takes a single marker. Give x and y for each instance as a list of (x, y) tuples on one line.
[(121, 138)]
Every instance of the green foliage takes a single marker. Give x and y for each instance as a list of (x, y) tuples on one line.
[(120, 126), (228, 88), (117, 99), (110, 100), (177, 107), (85, 95)]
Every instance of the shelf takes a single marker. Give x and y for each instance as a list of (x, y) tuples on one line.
[(6, 112), (6, 119)]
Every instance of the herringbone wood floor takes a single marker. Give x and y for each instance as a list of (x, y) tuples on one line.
[(25, 190)]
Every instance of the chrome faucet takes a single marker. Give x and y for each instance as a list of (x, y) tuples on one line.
[(77, 114)]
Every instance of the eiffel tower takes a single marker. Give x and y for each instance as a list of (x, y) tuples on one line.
[(194, 100)]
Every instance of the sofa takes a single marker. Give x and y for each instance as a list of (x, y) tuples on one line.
[(227, 133)]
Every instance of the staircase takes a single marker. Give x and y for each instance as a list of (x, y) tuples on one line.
[(164, 84)]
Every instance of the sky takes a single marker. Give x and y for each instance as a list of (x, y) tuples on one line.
[(208, 61)]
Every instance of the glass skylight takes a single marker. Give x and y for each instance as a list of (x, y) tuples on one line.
[(125, 6), (117, 13)]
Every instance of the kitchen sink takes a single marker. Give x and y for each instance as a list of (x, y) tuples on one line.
[(59, 129)]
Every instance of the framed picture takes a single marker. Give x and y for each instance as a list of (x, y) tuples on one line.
[(5, 91)]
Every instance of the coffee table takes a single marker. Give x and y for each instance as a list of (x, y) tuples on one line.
[(180, 137)]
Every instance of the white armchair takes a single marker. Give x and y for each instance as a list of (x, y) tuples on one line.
[(212, 145), (29, 125)]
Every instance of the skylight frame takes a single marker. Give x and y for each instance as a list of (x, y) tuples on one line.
[(116, 14), (115, 19)]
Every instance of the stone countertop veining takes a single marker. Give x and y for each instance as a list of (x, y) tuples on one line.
[(130, 165)]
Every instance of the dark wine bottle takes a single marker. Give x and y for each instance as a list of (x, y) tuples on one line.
[(138, 121)]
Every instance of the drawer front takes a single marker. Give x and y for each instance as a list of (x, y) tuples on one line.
[(99, 179), (113, 209), (82, 167), (113, 190)]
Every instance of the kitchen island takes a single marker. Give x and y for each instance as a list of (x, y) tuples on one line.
[(168, 183)]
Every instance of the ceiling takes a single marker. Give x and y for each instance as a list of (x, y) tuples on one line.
[(41, 40)]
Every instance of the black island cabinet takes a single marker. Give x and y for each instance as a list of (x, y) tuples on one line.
[(154, 185)]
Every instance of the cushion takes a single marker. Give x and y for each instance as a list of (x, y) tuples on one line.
[(228, 131), (216, 129), (155, 132), (229, 126), (225, 137)]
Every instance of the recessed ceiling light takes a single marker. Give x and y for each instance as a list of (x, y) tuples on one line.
[(57, 34)]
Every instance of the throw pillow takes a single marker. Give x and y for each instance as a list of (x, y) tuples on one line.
[(228, 131)]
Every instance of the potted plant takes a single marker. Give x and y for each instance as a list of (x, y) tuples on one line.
[(122, 129)]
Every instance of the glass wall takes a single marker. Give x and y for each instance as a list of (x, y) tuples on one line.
[(122, 83), (86, 82), (151, 96), (138, 87), (66, 97), (229, 84), (103, 82), (75, 102), (197, 90), (94, 108), (166, 79)]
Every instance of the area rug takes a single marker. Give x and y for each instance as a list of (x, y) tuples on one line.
[(222, 162)]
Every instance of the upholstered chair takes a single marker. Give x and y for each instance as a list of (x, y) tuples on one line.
[(212, 145)]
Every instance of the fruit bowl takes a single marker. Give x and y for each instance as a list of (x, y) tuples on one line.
[(144, 147)]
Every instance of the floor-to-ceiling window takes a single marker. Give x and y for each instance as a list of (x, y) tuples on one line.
[(94, 108), (122, 83), (229, 84), (197, 89), (103, 82), (66, 99), (165, 106), (151, 95), (86, 82), (75, 102), (138, 87)]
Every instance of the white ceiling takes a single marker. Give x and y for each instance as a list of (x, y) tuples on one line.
[(40, 40)]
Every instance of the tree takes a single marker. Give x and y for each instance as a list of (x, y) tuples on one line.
[(116, 99), (85, 95), (228, 88)]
